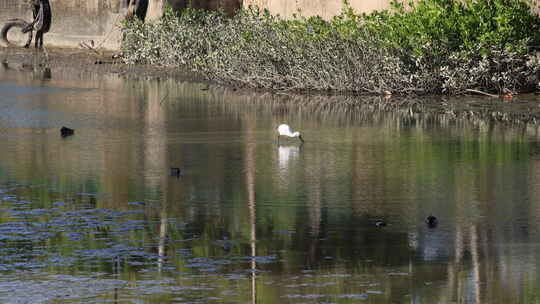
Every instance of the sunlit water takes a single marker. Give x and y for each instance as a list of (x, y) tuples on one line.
[(98, 217)]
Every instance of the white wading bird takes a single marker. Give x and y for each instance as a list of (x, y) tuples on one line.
[(285, 130)]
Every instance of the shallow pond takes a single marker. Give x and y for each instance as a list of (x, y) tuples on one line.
[(98, 217)]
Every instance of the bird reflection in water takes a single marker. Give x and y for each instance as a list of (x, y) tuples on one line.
[(287, 154)]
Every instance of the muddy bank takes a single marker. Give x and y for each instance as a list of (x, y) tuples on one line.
[(518, 109), (86, 61)]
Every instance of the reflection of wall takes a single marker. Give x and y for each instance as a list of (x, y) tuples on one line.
[(151, 125)]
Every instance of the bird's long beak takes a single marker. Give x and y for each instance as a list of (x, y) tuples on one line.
[(300, 137)]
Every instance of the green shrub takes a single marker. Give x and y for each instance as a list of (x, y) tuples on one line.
[(175, 39), (433, 46), (440, 27)]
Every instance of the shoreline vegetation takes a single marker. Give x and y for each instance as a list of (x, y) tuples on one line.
[(476, 111), (428, 47)]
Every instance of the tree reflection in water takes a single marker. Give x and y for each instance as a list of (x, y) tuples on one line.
[(250, 221)]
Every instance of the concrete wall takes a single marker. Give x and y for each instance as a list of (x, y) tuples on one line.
[(329, 8), (323, 8), (74, 21), (228, 5)]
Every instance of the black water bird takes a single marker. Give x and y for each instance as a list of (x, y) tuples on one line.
[(65, 131), (432, 221), (176, 172), (226, 243)]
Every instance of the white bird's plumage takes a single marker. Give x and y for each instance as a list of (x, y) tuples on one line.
[(285, 130)]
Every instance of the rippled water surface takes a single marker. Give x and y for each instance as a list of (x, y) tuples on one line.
[(98, 217)]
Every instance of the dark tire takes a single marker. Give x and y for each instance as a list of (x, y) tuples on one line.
[(12, 25)]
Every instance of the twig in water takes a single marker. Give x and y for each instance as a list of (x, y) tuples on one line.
[(482, 93), (84, 45)]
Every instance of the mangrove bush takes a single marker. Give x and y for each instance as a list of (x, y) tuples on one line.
[(427, 46)]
